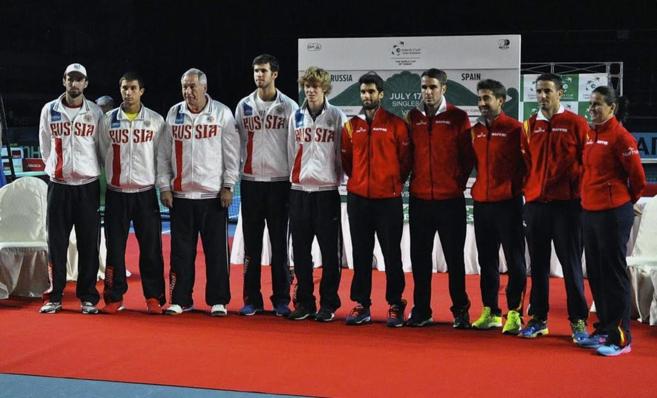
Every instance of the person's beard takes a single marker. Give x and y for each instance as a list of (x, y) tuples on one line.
[(372, 105)]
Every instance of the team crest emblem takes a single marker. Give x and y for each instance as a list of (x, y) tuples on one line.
[(87, 118), (210, 119), (147, 123)]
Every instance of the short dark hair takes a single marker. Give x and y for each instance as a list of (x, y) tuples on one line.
[(266, 59), (372, 77), (435, 73), (130, 76), (551, 77), (498, 89)]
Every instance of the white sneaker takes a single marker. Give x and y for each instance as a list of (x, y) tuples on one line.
[(175, 309), (218, 310), (88, 307), (51, 307)]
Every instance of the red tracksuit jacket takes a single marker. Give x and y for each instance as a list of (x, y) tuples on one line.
[(442, 152), (552, 150), (376, 156), (613, 174), (498, 158)]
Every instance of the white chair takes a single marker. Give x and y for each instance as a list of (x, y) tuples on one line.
[(23, 239), (642, 266)]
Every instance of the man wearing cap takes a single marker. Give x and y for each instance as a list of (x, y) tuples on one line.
[(68, 137), (197, 168)]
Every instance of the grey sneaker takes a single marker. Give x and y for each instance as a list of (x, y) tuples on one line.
[(88, 307), (218, 310), (51, 307)]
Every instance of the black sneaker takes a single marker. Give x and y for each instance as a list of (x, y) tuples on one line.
[(300, 313), (325, 315), (396, 315), (462, 320), (418, 321)]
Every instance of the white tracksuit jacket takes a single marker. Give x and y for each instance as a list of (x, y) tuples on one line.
[(263, 134), (69, 148), (128, 149), (197, 158), (314, 149)]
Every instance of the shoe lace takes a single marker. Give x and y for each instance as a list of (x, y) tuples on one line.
[(356, 311), (394, 312)]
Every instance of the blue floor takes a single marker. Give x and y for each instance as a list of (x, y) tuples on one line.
[(19, 386)]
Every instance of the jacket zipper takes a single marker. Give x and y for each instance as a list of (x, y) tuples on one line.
[(487, 161), (545, 168), (430, 157), (369, 157)]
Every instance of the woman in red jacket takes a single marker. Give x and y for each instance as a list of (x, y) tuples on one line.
[(612, 181)]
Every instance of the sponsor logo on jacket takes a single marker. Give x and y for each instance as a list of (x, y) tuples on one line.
[(630, 152)]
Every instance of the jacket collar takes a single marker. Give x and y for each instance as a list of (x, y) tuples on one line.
[(482, 120), (541, 116), (209, 107), (442, 108), (608, 125), (59, 104)]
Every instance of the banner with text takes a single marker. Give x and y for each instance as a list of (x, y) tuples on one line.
[(401, 60)]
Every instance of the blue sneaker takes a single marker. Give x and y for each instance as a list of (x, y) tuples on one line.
[(396, 315), (579, 330), (359, 315), (534, 328), (250, 309), (593, 341), (613, 350), (282, 310)]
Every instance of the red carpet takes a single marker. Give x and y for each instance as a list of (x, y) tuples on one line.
[(268, 354)]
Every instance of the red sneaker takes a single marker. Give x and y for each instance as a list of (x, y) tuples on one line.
[(153, 306), (113, 308)]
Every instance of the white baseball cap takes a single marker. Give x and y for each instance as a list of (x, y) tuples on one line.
[(78, 68)]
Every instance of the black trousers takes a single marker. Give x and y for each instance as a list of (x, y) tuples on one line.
[(265, 201), (72, 206), (500, 223), (385, 218), (448, 218), (316, 214), (558, 222), (189, 217), (605, 243), (142, 208)]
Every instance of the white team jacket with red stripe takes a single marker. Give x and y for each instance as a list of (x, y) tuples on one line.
[(314, 149), (69, 148), (128, 149), (263, 134), (197, 158)]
